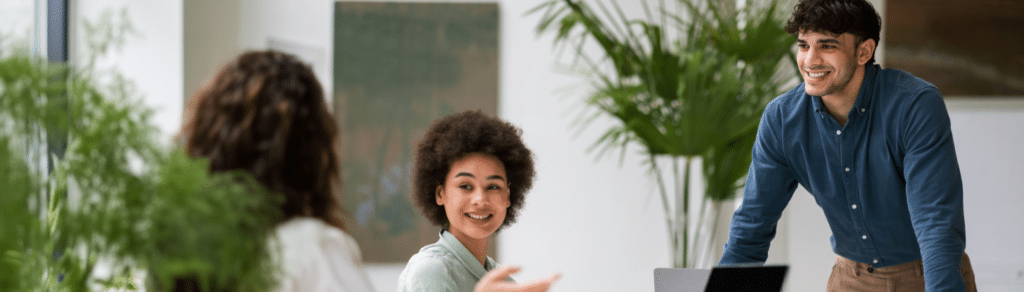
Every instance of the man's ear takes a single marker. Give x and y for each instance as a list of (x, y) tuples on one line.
[(438, 193), (866, 50)]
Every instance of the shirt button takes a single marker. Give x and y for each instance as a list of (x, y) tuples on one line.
[(863, 109), (855, 206), (847, 169), (838, 132), (863, 237), (875, 261)]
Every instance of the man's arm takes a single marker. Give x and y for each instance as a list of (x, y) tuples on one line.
[(934, 190), (769, 186)]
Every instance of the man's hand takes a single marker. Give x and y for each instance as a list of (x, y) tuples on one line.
[(494, 281)]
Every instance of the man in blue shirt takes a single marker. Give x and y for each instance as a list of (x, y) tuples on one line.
[(874, 148)]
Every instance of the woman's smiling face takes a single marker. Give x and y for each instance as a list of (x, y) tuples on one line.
[(475, 196)]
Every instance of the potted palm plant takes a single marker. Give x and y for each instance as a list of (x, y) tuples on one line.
[(686, 88)]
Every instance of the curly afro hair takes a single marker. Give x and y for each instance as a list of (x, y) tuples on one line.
[(856, 17), (456, 136)]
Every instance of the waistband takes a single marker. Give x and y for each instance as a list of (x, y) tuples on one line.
[(915, 267)]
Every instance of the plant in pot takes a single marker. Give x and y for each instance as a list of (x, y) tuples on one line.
[(686, 88)]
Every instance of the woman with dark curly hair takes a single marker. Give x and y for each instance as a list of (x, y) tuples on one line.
[(471, 176), (265, 114)]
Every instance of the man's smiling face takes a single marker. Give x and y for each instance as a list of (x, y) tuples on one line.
[(828, 62)]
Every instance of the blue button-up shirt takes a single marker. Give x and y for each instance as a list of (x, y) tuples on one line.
[(888, 180)]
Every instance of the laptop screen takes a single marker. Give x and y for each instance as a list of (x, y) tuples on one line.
[(763, 278), (726, 278), (680, 280)]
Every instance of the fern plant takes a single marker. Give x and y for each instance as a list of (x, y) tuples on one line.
[(116, 198)]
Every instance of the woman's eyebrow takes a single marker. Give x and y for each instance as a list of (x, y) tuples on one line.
[(497, 177)]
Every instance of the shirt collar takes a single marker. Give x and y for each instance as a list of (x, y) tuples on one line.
[(864, 96), (465, 257)]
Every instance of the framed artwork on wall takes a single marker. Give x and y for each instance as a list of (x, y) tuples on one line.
[(965, 48), (397, 68)]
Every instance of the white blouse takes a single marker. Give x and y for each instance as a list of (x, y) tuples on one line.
[(315, 256)]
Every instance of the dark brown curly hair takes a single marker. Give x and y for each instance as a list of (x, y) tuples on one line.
[(458, 135), (265, 114), (856, 17)]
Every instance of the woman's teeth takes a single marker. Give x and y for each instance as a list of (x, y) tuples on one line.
[(480, 217)]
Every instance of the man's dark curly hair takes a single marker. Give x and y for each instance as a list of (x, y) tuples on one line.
[(856, 17), (456, 136)]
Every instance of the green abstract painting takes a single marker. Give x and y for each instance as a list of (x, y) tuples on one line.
[(397, 68)]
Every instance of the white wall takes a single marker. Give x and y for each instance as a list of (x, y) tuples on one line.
[(988, 136), (22, 27), (152, 58), (209, 40), (306, 23), (599, 224)]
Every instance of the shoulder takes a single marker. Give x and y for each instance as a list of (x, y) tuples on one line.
[(902, 79), (786, 110), (426, 267), (317, 256), (294, 239), (908, 97), (915, 108), (428, 270), (433, 259), (789, 99), (313, 234), (793, 101), (905, 88)]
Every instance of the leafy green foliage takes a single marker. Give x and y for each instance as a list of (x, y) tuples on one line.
[(25, 246), (678, 97), (209, 228), (20, 227), (115, 195), (684, 86)]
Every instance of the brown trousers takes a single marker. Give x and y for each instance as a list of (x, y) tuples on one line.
[(848, 275)]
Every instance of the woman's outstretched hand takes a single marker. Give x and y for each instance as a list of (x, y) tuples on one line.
[(494, 281)]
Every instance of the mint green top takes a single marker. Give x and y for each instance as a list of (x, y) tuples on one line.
[(443, 266)]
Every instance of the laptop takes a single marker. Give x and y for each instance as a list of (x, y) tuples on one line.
[(719, 279)]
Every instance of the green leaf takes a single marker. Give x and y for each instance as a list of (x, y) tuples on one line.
[(696, 94)]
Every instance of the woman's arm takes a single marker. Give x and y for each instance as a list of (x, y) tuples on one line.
[(494, 281)]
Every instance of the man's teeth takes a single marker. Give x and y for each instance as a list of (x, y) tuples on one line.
[(479, 217), (816, 75)]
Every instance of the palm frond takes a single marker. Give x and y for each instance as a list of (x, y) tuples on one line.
[(698, 94)]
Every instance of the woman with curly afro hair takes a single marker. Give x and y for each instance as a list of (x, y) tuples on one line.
[(471, 176)]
